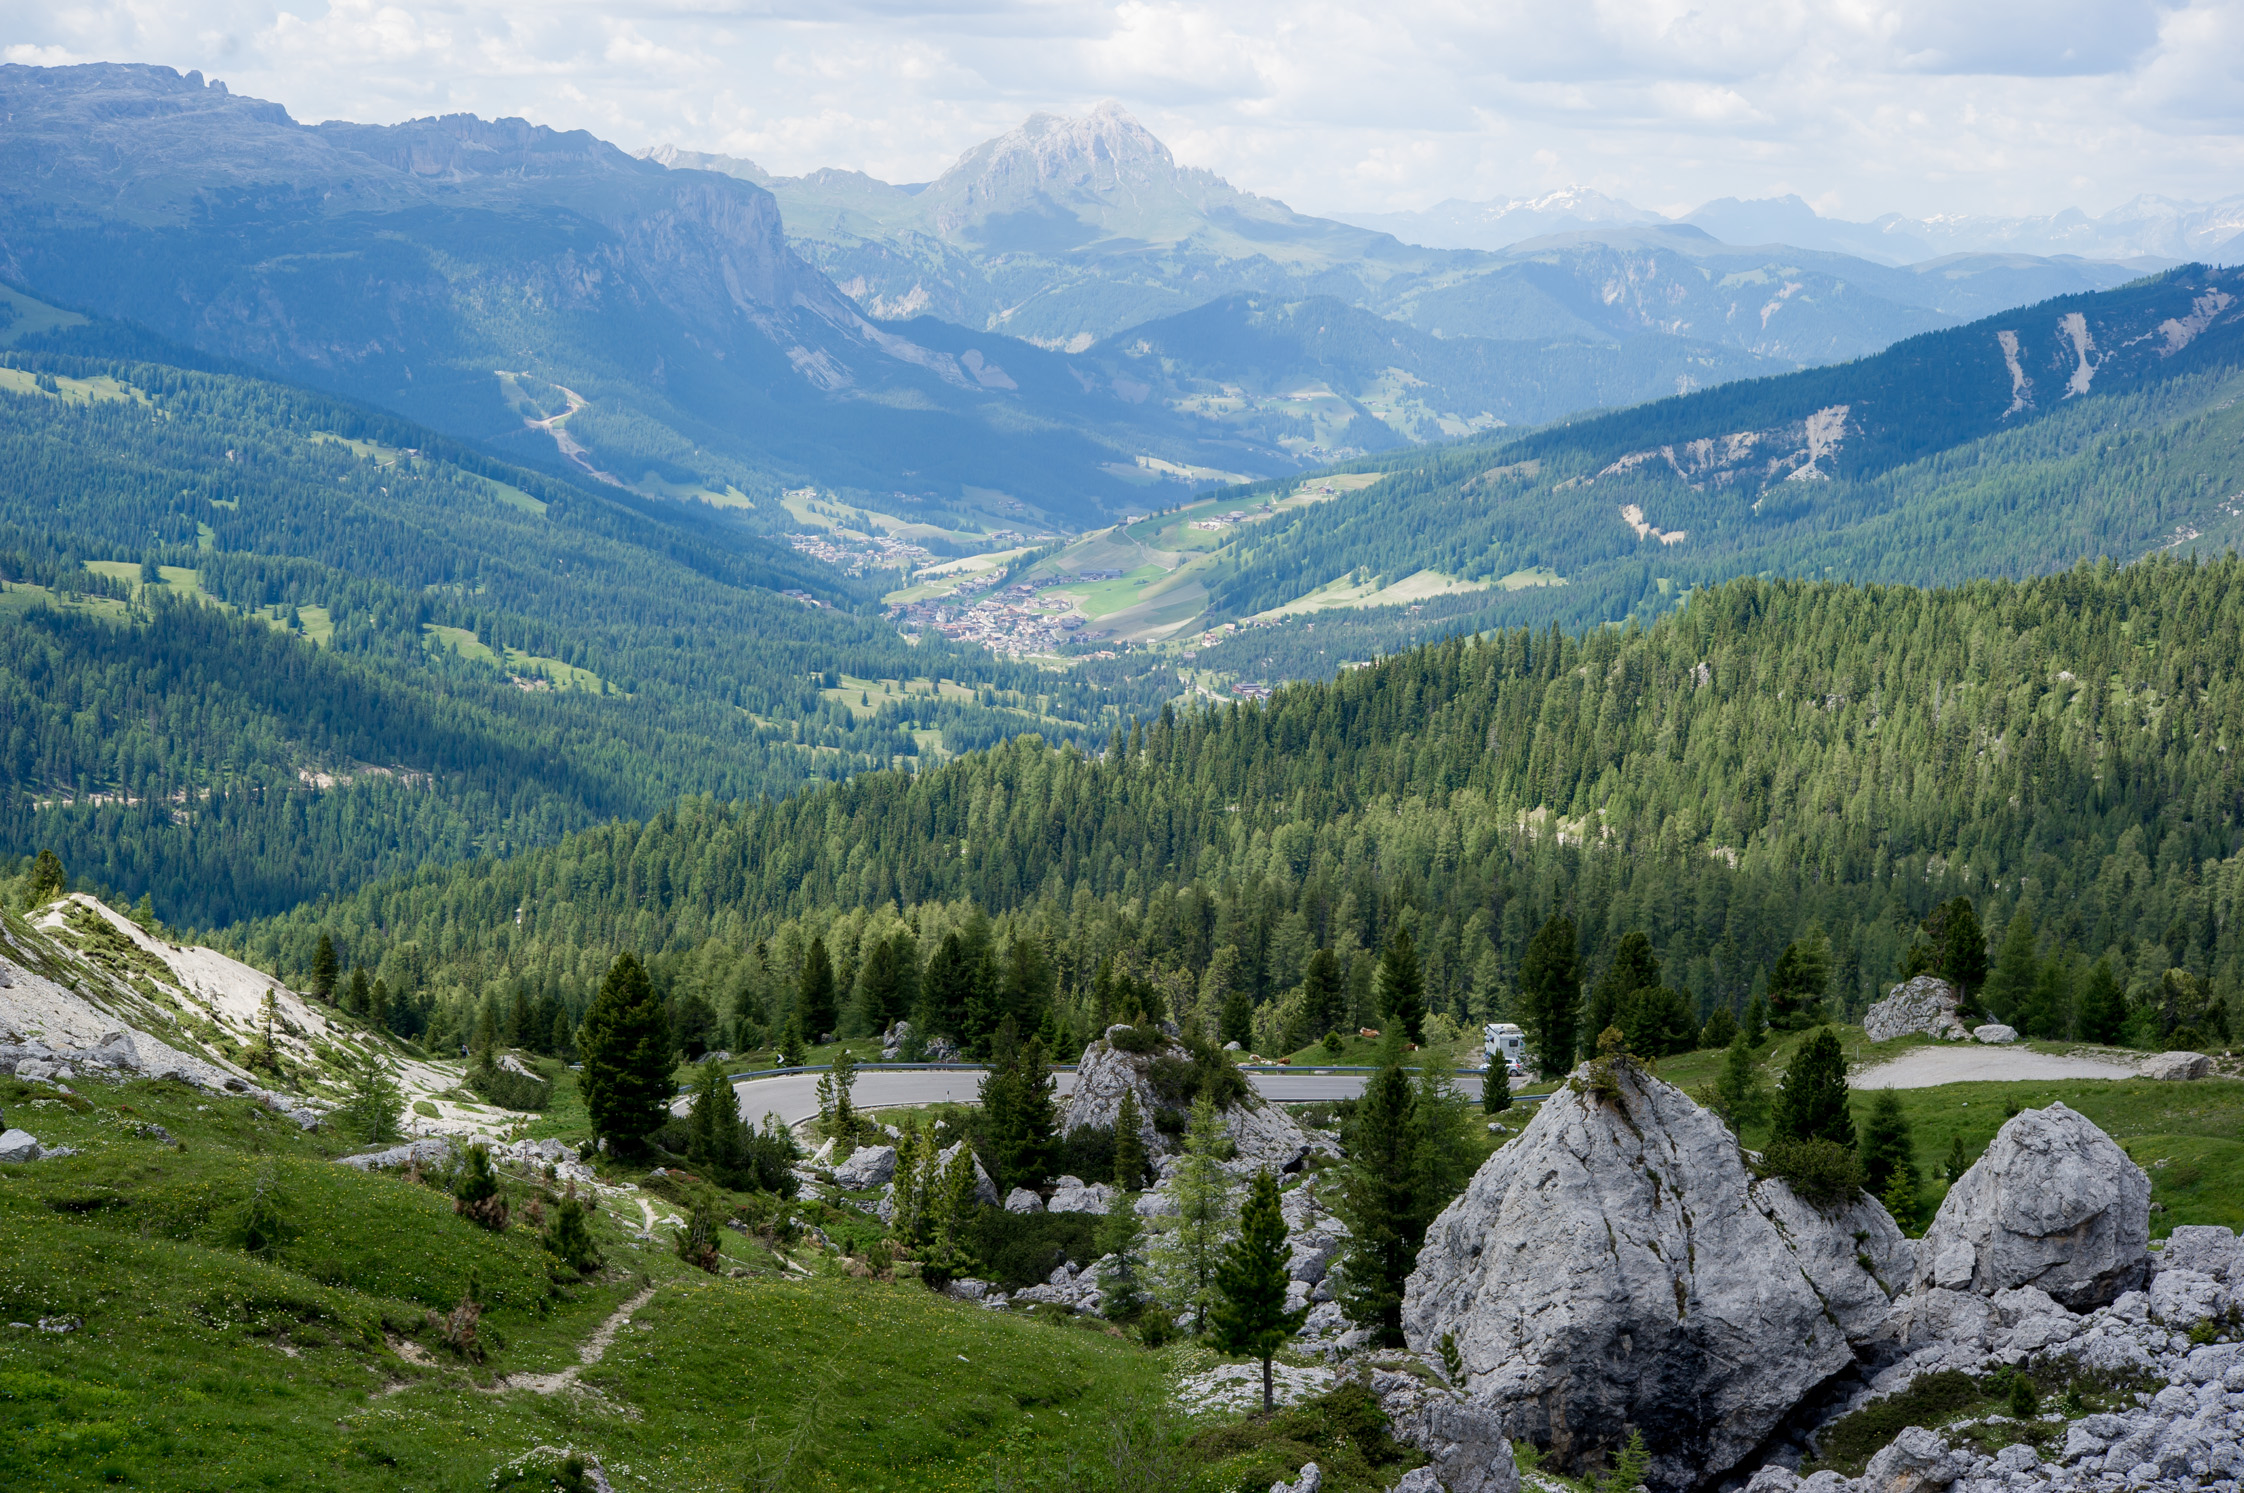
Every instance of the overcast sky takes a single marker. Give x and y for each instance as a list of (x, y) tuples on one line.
[(1921, 106)]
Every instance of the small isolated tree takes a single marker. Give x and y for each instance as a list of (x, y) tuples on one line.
[(1813, 1103), (1250, 1317), (626, 1055), (837, 1109), (264, 1052), (475, 1191), (569, 1239), (1630, 1467), (1887, 1146), (1496, 1086), (1402, 987), (375, 1105), (1193, 1244), (1740, 1097), (325, 967), (695, 1240), (948, 1220), (1903, 1199), (1958, 1161), (47, 880), (907, 1199), (1122, 1262), (1129, 1144)]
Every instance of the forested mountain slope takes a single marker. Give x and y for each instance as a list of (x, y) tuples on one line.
[(258, 644), (1775, 757), (2091, 425)]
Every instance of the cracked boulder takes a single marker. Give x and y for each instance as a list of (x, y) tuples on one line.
[(1618, 1268), (2054, 1204)]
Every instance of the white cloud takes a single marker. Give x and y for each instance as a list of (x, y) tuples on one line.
[(1865, 106)]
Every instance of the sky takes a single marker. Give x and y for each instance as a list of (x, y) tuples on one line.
[(1922, 107)]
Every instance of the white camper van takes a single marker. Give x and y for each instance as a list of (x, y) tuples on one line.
[(1505, 1043)]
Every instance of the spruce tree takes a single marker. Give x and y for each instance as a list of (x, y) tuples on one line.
[(1324, 996), (1379, 1203), (949, 1218), (1887, 1146), (1797, 983), (1236, 1024), (1634, 967), (357, 995), (626, 1052), (325, 967), (814, 999), (1496, 1086), (375, 1105), (2009, 991), (1550, 991), (1402, 987), (378, 1006), (837, 1107), (1812, 1105), (1250, 1318), (1003, 1107), (1719, 1029), (1129, 1144), (1038, 1149), (1740, 1097), (1122, 1259), (1193, 1243), (47, 881), (716, 1140), (2103, 1008)]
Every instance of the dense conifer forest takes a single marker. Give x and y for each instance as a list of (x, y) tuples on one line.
[(416, 653), (1778, 763)]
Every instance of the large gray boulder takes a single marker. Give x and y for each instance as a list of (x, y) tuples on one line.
[(1617, 1268), (1467, 1440), (2055, 1203), (866, 1168), (1262, 1135), (1925, 1005)]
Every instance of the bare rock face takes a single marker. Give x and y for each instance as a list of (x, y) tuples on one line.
[(1261, 1134), (1926, 1004), (1616, 1267), (1466, 1439), (2055, 1203)]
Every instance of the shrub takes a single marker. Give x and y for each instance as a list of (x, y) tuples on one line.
[(569, 1240), (1020, 1249), (1088, 1152), (1138, 1039), (696, 1239), (508, 1089), (1933, 1398), (475, 1192), (1826, 1175)]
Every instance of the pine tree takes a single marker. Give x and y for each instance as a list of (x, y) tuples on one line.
[(378, 1005), (1379, 1203), (1250, 1318), (1402, 987), (717, 1141), (1038, 1149), (1324, 996), (264, 1053), (357, 995), (375, 1105), (1958, 1160), (47, 881), (475, 1191), (1634, 967), (626, 1054), (2103, 1007), (1122, 1262), (1496, 1086), (1236, 1024), (1193, 1243), (1812, 1105), (791, 1042), (1129, 1144), (1719, 1029), (1740, 1097), (1798, 981), (837, 1109), (1550, 991), (569, 1240), (1887, 1146), (2009, 992), (1959, 947), (325, 968), (814, 1000), (1756, 1021)]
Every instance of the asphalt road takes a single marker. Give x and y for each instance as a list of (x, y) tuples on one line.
[(794, 1096)]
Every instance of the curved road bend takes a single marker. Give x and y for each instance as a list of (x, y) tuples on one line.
[(794, 1096)]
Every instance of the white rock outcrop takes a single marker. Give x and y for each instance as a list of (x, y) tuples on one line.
[(1262, 1135), (1467, 1441), (2055, 1204), (1617, 1268), (1924, 1005)]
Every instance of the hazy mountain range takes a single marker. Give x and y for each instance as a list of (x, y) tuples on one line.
[(2153, 228)]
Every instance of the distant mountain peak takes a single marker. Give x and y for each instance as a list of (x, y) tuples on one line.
[(1097, 152)]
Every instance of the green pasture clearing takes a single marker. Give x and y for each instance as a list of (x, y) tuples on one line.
[(466, 644), (98, 389), (21, 316)]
